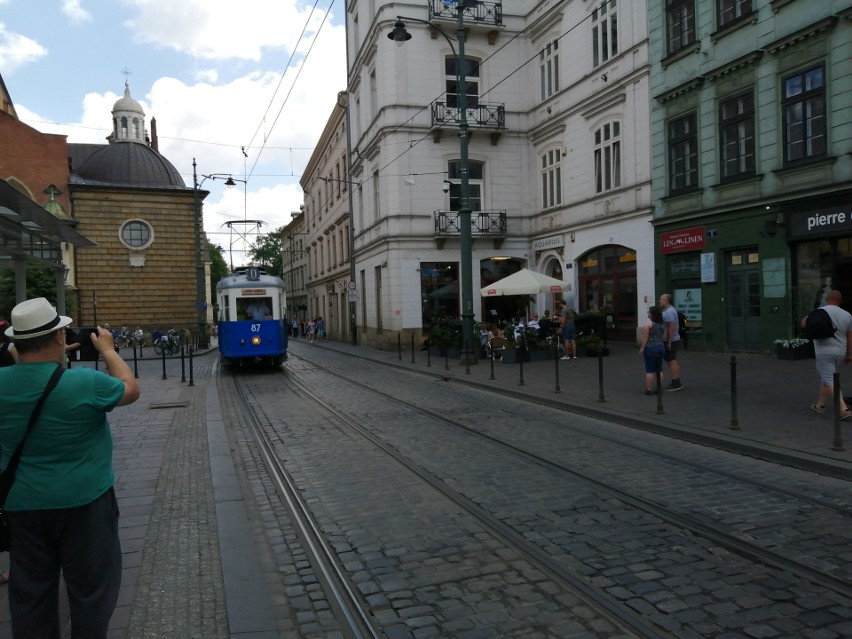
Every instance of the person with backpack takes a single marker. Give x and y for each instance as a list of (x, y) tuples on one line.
[(831, 351), (671, 341)]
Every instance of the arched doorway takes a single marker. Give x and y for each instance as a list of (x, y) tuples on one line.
[(607, 285)]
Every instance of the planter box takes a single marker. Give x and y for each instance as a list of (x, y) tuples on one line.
[(802, 352)]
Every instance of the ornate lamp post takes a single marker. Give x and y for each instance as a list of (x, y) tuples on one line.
[(400, 36), (200, 288)]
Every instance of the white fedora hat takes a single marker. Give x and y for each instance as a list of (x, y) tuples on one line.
[(35, 317)]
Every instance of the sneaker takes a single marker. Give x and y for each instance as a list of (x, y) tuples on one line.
[(564, 357), (672, 388), (575, 357)]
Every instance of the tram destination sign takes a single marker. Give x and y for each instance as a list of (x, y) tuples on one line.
[(691, 239), (245, 292)]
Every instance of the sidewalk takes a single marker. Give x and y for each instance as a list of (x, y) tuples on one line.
[(773, 418)]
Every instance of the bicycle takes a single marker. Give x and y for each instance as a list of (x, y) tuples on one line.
[(168, 343)]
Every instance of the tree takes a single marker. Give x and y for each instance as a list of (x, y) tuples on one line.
[(41, 282), (218, 267), (267, 253)]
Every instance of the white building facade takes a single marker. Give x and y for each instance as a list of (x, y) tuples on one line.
[(559, 171)]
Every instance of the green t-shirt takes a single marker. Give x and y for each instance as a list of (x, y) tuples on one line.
[(67, 459)]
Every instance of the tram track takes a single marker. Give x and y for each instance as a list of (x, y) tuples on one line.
[(354, 618), (832, 579)]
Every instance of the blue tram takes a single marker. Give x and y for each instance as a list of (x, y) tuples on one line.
[(252, 325)]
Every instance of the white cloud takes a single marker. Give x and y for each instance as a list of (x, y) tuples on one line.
[(219, 29), (75, 11), (17, 50)]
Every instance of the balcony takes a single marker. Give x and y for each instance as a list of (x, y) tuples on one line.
[(483, 224), (481, 116), (490, 13)]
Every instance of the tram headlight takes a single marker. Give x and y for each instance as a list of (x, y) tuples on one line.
[(255, 339)]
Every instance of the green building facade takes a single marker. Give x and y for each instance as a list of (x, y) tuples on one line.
[(751, 152)]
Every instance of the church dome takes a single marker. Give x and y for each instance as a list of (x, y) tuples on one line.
[(130, 165)]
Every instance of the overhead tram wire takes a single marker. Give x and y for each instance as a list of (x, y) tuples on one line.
[(281, 78), (295, 80)]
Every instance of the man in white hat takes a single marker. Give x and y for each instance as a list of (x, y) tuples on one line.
[(62, 510)]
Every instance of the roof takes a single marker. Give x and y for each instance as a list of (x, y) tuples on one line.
[(127, 164)]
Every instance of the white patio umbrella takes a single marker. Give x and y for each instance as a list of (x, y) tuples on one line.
[(524, 282)]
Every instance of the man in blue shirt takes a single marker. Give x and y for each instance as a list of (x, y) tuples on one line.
[(671, 341)]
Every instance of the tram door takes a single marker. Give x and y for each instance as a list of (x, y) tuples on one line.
[(742, 297)]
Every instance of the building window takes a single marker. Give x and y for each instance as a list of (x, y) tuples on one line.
[(732, 10), (608, 157), (548, 60), (736, 136), (471, 77), (604, 32), (551, 178), (680, 24), (136, 234), (475, 183), (683, 154), (804, 115)]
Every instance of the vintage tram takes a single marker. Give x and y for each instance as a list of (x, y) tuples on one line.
[(252, 322)]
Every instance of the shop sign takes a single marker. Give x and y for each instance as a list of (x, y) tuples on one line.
[(544, 243), (836, 220), (691, 239)]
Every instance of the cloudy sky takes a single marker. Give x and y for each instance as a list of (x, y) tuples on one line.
[(219, 77)]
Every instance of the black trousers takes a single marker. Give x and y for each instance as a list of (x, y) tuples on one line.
[(82, 543)]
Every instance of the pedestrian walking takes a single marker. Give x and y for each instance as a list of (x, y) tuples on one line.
[(61, 507), (832, 352), (671, 341), (567, 330)]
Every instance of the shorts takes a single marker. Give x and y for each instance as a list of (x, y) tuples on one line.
[(653, 357), (827, 365), (569, 332), (671, 352)]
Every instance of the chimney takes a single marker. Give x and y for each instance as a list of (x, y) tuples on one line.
[(155, 143)]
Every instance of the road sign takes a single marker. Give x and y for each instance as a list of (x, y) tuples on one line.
[(351, 286)]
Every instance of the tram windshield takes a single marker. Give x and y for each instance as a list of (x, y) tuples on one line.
[(254, 308)]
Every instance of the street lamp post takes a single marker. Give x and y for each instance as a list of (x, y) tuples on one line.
[(400, 36), (200, 288)]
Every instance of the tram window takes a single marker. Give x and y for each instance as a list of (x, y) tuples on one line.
[(254, 308)]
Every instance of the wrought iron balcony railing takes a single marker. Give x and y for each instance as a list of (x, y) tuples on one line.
[(481, 11), (483, 116), (482, 223)]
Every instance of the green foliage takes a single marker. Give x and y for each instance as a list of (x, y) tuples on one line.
[(267, 253), (40, 283), (218, 267)]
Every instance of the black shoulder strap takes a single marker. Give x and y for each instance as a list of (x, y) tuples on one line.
[(8, 474)]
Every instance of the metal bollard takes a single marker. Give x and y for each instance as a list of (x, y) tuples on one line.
[(492, 364), (522, 352), (191, 382), (658, 369), (182, 366), (837, 444), (601, 397), (556, 365), (164, 363), (135, 364), (735, 421), (467, 357)]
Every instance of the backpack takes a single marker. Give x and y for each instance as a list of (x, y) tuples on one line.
[(681, 323), (818, 325)]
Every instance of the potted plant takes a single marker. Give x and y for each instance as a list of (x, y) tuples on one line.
[(592, 345), (794, 348)]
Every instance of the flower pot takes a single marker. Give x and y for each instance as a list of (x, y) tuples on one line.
[(800, 352)]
